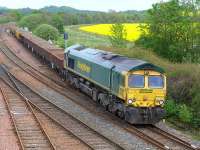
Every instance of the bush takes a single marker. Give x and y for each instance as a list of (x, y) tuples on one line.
[(196, 105), (196, 102), (171, 108), (180, 87), (47, 32), (185, 114), (10, 17), (196, 121), (60, 42)]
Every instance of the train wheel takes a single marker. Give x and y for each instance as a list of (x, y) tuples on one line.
[(120, 114), (110, 108)]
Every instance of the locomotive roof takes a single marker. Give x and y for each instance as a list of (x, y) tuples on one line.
[(109, 59)]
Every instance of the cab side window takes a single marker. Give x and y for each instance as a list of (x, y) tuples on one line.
[(71, 63)]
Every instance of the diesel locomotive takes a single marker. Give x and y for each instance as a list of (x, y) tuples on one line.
[(133, 89)]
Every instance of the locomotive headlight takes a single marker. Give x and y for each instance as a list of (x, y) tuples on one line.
[(130, 101)]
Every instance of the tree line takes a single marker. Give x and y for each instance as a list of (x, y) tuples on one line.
[(51, 16), (78, 17)]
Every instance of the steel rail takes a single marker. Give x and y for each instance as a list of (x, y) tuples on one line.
[(33, 112), (31, 103), (12, 117), (173, 137), (147, 138), (3, 47)]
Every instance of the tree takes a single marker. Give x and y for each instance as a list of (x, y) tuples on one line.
[(32, 21), (4, 19), (172, 30), (171, 108), (11, 16), (16, 15), (57, 22), (47, 32), (118, 35)]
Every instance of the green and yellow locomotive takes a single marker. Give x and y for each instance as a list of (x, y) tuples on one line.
[(133, 89)]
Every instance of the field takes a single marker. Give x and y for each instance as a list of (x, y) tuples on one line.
[(132, 29)]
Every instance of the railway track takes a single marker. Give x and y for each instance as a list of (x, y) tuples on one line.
[(160, 138), (31, 71), (29, 68), (148, 136), (159, 131), (89, 138), (8, 131), (29, 130), (37, 74), (61, 138)]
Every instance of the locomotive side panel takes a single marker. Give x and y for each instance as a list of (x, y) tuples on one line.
[(117, 85), (91, 71)]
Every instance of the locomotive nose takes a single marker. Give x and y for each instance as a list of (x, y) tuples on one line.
[(145, 98)]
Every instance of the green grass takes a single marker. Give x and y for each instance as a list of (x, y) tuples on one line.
[(87, 39)]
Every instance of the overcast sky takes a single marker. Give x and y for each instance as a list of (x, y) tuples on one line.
[(101, 5)]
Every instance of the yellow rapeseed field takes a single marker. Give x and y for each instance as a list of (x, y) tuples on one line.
[(133, 30)]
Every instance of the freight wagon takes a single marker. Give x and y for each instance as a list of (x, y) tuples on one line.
[(53, 55)]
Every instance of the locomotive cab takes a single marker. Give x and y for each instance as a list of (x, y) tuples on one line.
[(145, 96), (146, 88)]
